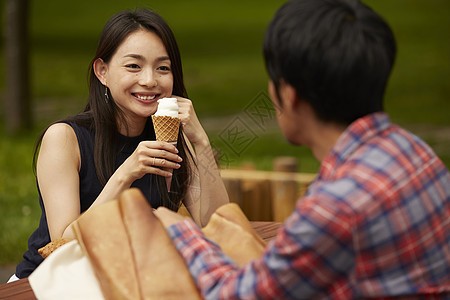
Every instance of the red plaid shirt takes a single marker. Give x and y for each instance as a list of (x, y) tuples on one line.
[(374, 224)]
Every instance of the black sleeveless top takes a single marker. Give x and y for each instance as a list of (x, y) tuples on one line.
[(90, 188)]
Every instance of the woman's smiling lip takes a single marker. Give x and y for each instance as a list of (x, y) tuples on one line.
[(146, 98)]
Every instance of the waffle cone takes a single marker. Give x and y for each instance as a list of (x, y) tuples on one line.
[(166, 128)]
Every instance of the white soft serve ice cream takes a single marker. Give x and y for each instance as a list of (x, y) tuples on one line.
[(167, 107)]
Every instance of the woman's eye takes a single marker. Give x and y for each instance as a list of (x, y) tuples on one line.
[(132, 66), (164, 68)]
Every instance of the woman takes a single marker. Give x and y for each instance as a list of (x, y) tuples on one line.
[(90, 158)]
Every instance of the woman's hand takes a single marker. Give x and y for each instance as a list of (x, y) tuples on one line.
[(191, 125), (153, 157)]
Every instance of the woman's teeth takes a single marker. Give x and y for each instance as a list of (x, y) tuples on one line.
[(146, 97)]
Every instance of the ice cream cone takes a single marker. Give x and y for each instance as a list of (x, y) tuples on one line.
[(166, 128), (167, 124)]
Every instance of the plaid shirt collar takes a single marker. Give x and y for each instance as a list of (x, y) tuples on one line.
[(356, 134)]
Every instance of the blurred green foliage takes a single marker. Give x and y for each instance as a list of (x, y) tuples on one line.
[(220, 43)]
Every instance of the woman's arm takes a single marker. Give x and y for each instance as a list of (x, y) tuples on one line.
[(58, 168), (207, 191)]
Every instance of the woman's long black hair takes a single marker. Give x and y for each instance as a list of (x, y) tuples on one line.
[(103, 117)]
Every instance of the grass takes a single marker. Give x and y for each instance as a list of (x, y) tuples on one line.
[(19, 207), (224, 71)]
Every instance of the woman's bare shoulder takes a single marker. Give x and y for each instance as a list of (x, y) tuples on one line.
[(60, 132), (60, 143)]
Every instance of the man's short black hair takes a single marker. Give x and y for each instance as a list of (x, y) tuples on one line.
[(337, 54)]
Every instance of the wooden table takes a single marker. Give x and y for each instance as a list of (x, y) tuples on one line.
[(21, 289)]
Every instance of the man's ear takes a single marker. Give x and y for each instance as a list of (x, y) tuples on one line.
[(100, 70), (289, 96)]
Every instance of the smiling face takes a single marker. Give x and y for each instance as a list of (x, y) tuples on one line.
[(138, 74)]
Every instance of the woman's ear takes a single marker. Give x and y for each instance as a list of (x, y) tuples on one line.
[(100, 70)]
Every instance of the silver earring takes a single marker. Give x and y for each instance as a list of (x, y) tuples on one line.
[(106, 95)]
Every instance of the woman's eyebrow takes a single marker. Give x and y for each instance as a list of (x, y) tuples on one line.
[(140, 57), (162, 58), (136, 56)]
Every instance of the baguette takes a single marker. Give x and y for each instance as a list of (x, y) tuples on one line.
[(52, 246)]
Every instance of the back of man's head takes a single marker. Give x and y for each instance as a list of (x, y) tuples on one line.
[(337, 54)]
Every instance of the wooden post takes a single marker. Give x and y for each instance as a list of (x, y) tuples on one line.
[(284, 190), (234, 190), (257, 202), (18, 103), (285, 164)]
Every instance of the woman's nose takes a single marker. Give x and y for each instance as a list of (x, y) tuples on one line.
[(147, 78)]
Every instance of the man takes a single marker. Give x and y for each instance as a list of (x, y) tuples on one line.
[(376, 221)]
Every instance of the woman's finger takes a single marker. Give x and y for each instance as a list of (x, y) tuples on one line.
[(163, 163), (159, 145)]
